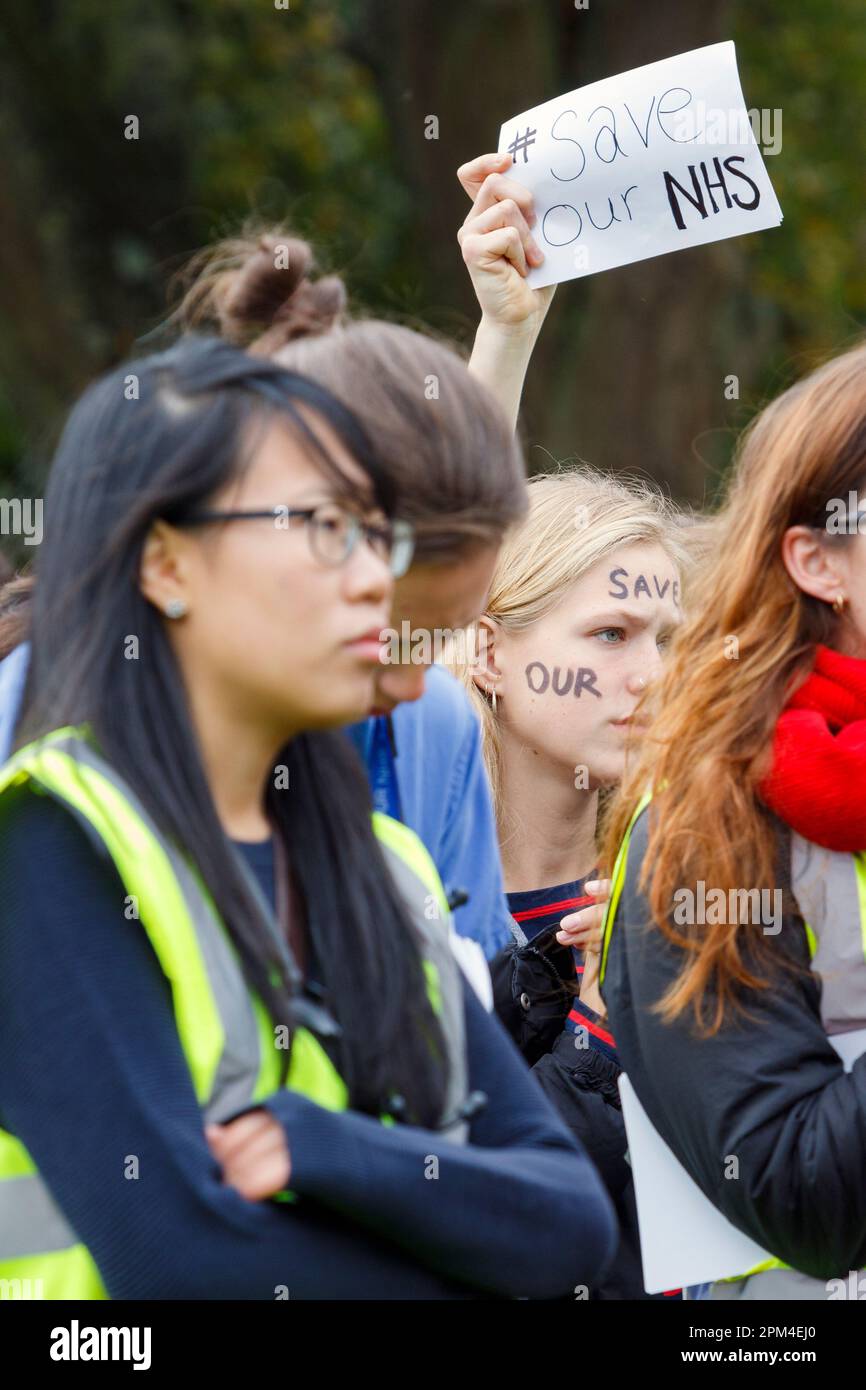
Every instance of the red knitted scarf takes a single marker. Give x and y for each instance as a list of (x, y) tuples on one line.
[(817, 784)]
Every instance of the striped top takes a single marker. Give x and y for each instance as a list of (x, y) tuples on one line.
[(541, 909)]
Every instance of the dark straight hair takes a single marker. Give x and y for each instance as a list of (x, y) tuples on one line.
[(156, 439)]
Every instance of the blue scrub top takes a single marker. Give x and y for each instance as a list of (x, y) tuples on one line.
[(444, 796)]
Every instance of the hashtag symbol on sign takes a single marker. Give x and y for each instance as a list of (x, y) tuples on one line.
[(522, 142)]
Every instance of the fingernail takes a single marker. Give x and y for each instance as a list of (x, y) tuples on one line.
[(536, 252), (592, 885)]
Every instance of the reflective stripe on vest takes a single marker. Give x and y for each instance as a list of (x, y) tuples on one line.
[(616, 884), (226, 1034), (409, 861), (830, 891)]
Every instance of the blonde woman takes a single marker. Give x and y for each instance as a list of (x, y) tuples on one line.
[(584, 600)]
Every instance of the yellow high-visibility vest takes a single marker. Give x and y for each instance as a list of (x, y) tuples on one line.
[(227, 1036)]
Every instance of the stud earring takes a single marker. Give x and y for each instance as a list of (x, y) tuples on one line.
[(175, 608), (839, 603)]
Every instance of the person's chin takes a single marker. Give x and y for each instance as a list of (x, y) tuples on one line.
[(349, 705), (604, 780), (608, 771), (380, 707)]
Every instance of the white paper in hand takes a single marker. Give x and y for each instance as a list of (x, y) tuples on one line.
[(654, 160), (683, 1238)]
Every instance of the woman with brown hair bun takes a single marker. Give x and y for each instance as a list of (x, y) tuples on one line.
[(448, 446), (734, 967), (442, 436)]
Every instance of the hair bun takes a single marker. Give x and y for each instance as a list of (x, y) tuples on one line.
[(257, 290)]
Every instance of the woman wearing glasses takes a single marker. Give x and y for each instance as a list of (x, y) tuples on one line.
[(451, 455), (237, 1058)]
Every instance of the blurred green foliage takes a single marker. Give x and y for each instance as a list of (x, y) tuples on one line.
[(315, 113), (810, 60)]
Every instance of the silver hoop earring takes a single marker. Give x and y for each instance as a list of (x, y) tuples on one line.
[(175, 608)]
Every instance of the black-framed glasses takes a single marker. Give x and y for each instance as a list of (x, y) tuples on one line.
[(333, 531)]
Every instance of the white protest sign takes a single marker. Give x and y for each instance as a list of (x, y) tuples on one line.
[(657, 159), (684, 1239)]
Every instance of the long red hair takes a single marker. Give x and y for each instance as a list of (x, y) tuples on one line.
[(748, 640)]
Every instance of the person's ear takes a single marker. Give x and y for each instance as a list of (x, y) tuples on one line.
[(815, 566), (163, 572), (486, 671)]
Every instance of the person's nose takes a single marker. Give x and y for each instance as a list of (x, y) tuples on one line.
[(649, 668), (366, 576), (401, 684)]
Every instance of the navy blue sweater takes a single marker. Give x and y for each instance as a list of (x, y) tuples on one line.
[(92, 1072)]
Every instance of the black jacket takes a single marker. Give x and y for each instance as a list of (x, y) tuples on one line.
[(768, 1090), (532, 999)]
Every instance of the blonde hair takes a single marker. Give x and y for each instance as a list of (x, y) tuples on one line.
[(577, 517)]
